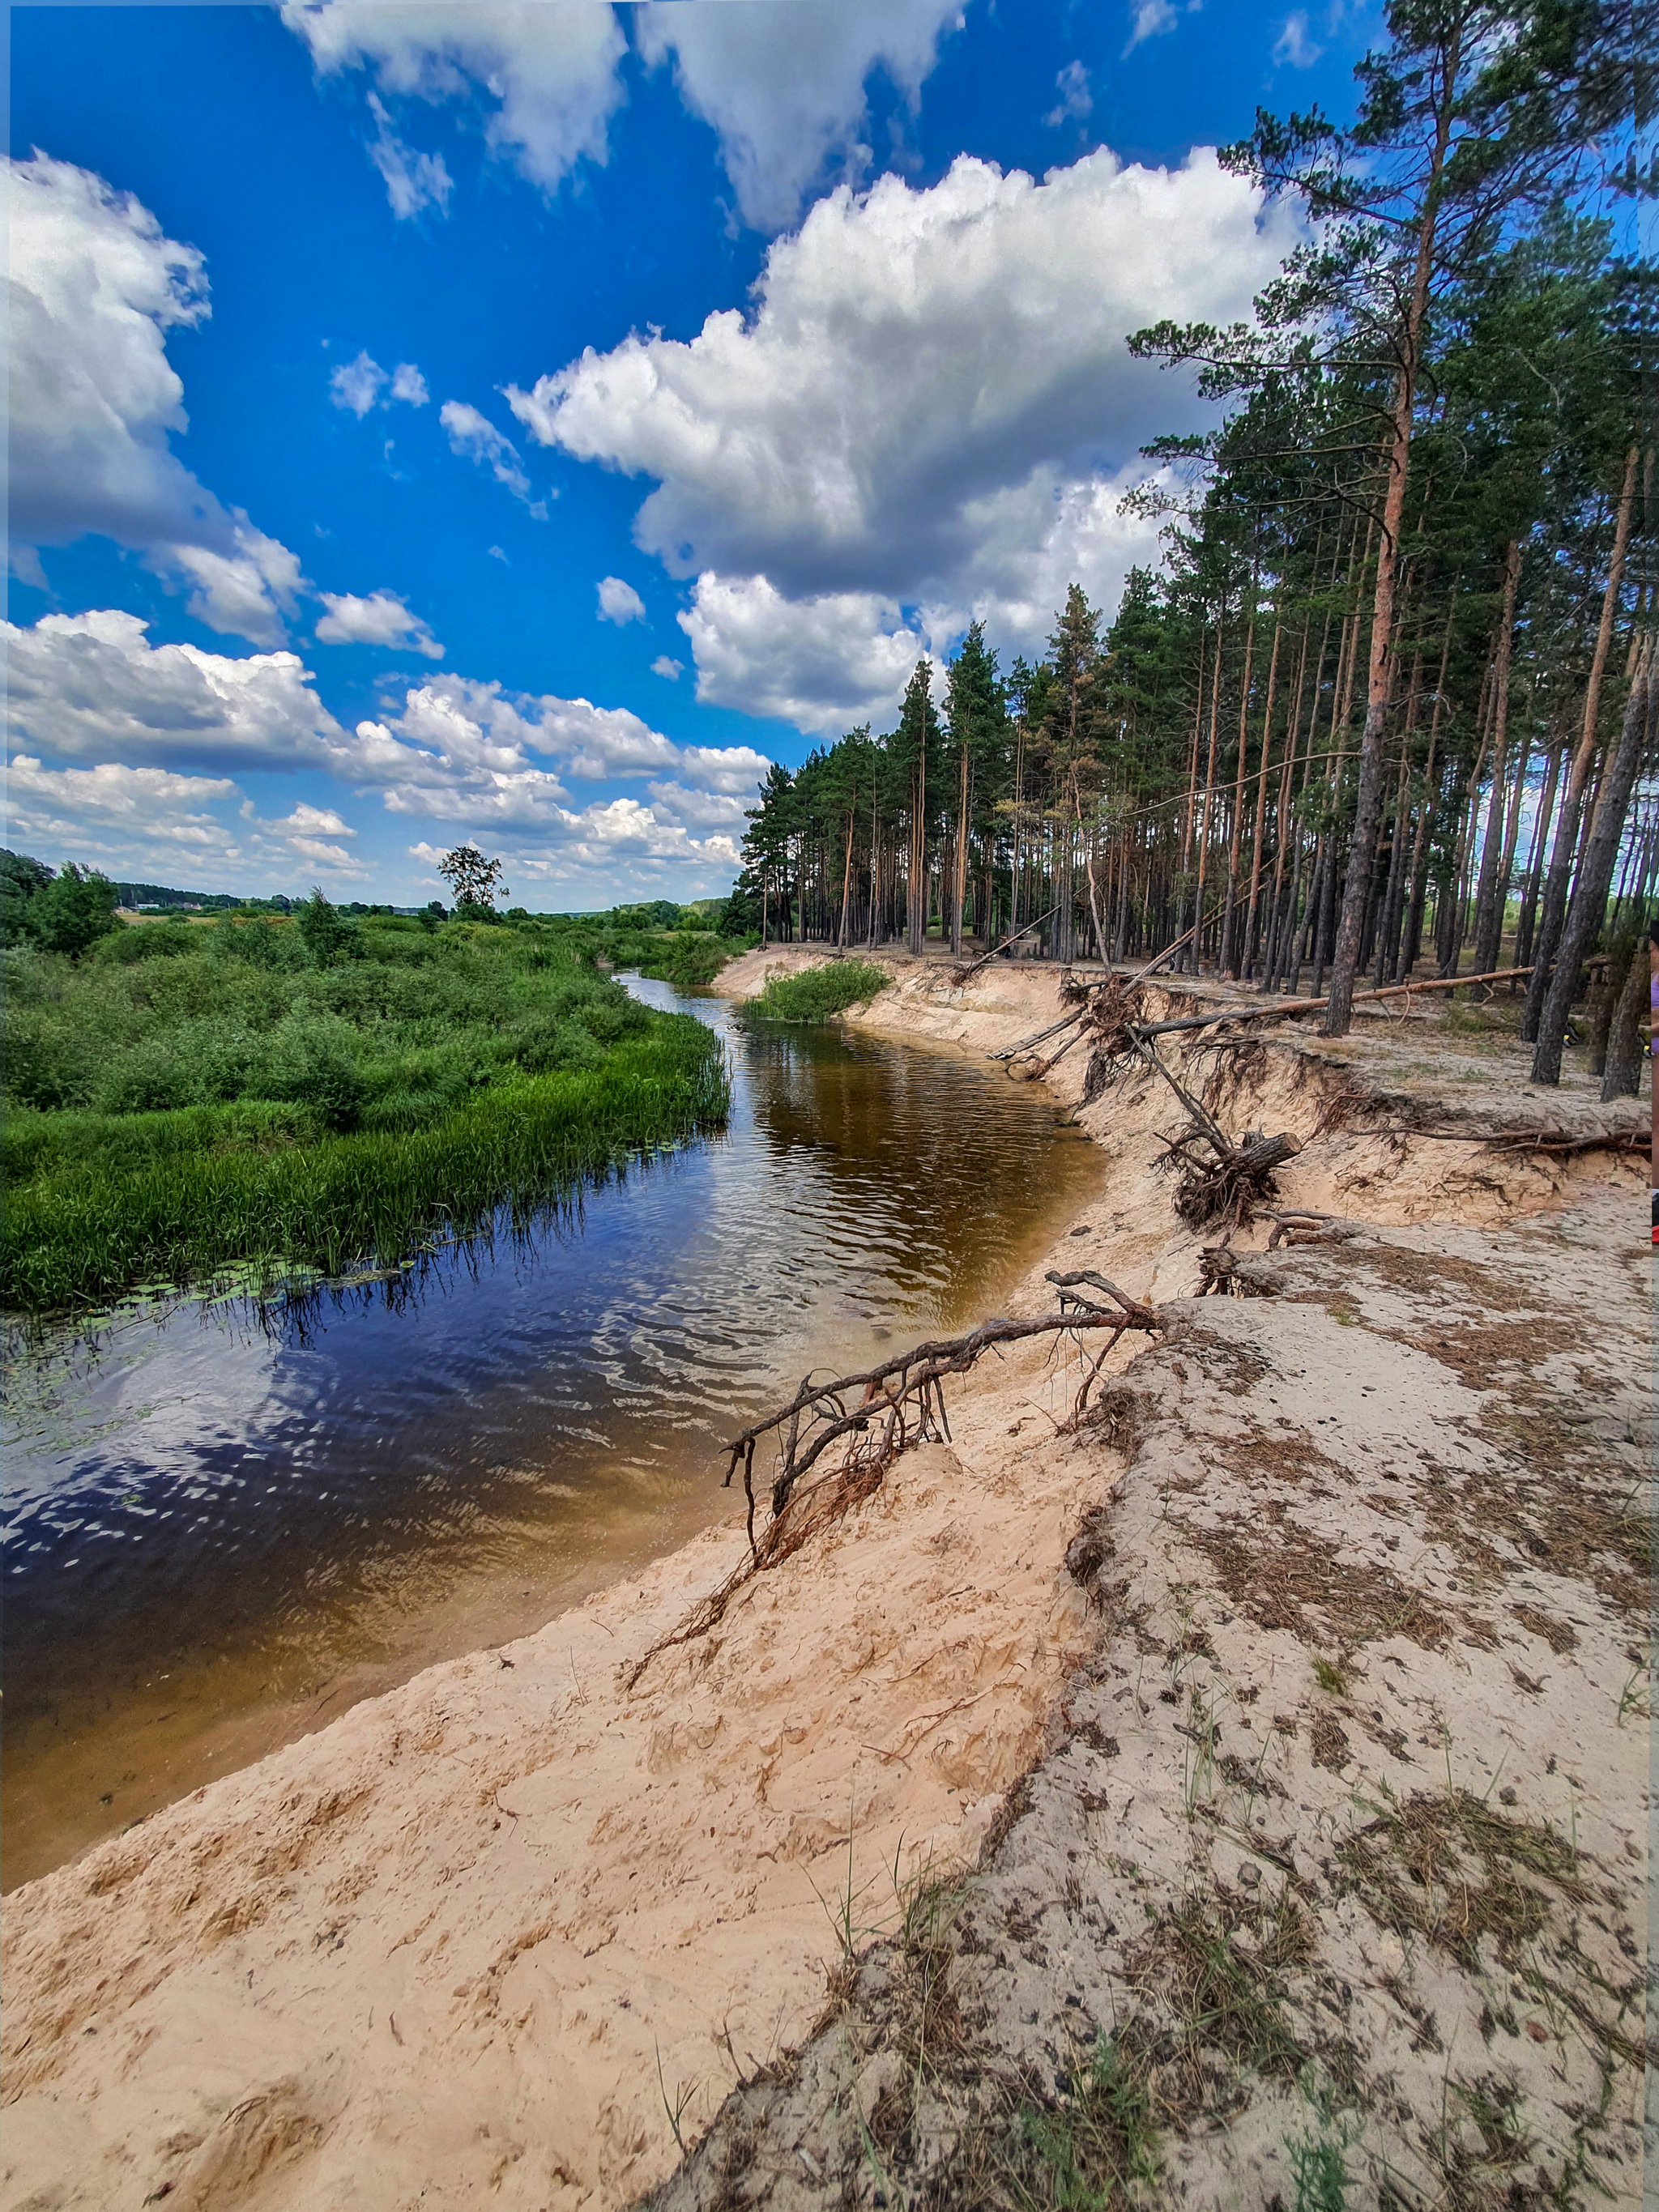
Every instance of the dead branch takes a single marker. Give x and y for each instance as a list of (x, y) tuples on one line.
[(904, 1394), (1138, 1316), (1291, 1009), (880, 1413), (1300, 1227), (1559, 1143), (1281, 1010), (1080, 994), (962, 975), (1224, 1273), (1039, 1036)]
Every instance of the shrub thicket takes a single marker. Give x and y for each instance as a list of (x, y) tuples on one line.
[(185, 1094)]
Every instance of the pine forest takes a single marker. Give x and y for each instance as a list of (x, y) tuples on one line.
[(1385, 709)]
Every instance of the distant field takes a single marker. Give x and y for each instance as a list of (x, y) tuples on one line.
[(252, 1091)]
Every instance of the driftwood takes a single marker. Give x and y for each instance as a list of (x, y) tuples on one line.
[(1224, 1273), (1293, 1009), (1072, 1300), (1281, 1010), (878, 1414), (1039, 1036)]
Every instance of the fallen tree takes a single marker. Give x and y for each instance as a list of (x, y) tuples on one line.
[(878, 1414)]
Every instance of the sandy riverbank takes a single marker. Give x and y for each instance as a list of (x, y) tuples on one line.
[(480, 1936)]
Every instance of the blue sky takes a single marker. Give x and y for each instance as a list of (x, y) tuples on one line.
[(519, 424)]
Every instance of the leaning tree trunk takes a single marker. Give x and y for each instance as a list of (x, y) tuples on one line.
[(1589, 898), (1623, 1077), (1566, 829)]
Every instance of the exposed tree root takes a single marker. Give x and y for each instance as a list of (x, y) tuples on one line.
[(1230, 1185), (879, 1414)]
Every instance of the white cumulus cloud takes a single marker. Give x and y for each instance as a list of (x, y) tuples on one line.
[(1149, 18), (115, 816), (596, 743), (307, 833), (1293, 46), (824, 663), (381, 619), (94, 287), (358, 384), (413, 179), (619, 602), (669, 669), (467, 753), (924, 410), (82, 686), (782, 82), (549, 69)]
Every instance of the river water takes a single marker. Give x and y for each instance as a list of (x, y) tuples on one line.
[(224, 1526)]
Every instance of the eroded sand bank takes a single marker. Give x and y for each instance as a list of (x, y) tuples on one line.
[(492, 1936)]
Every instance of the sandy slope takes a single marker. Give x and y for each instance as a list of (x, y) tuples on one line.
[(1346, 1800), (473, 1941)]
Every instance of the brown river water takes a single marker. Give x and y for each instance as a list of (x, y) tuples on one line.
[(224, 1527)]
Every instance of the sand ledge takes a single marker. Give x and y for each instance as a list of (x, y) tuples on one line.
[(472, 1937)]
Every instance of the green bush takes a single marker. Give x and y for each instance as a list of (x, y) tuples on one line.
[(324, 932), (148, 1078), (815, 994), (74, 910), (46, 1064), (308, 1061), (261, 942), (143, 940), (548, 1044), (694, 957)]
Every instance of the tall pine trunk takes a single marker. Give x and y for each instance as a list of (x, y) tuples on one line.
[(1369, 801), (1555, 905)]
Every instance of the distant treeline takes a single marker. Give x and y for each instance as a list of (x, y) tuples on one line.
[(65, 909)]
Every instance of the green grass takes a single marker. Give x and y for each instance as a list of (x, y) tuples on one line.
[(815, 994), (1099, 2146), (233, 1105)]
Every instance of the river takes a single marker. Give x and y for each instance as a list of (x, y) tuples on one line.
[(223, 1526)]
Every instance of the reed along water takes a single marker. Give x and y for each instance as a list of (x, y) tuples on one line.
[(224, 1526)]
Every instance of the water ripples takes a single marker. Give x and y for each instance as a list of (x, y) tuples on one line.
[(196, 1486)]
